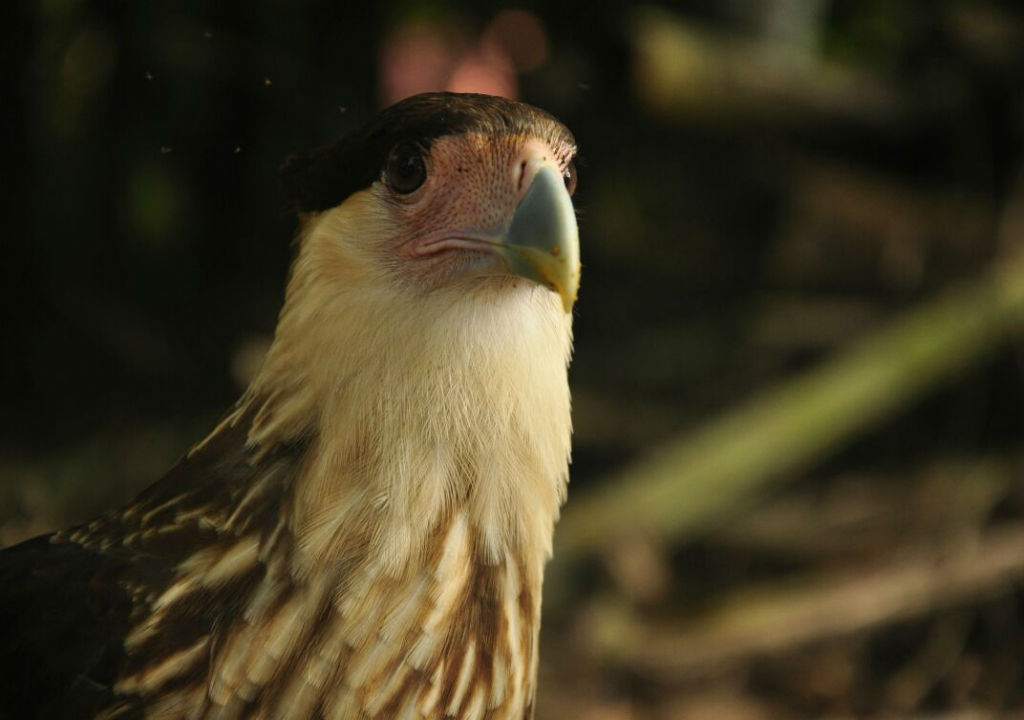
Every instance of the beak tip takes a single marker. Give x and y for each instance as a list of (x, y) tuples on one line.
[(542, 243)]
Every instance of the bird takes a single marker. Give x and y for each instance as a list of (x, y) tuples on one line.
[(364, 534)]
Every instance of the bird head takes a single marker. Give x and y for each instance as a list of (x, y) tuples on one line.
[(446, 195)]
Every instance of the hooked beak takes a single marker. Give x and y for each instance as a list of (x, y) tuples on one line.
[(542, 241)]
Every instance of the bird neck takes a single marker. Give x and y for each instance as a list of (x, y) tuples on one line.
[(435, 462), (457, 406)]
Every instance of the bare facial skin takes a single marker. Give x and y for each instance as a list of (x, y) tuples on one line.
[(446, 228)]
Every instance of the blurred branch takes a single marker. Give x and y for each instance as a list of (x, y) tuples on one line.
[(687, 483), (758, 623), (862, 515), (685, 70)]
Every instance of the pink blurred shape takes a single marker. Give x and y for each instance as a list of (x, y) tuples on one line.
[(414, 59), (485, 69), (421, 57)]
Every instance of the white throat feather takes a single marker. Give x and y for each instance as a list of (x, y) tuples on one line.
[(418, 403)]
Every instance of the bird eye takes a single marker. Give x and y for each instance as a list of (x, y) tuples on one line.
[(405, 169), (570, 177)]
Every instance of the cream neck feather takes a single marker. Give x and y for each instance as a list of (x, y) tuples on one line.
[(419, 403)]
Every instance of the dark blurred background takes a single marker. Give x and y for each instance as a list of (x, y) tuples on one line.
[(798, 478)]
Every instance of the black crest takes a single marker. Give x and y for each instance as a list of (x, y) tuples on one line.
[(324, 178)]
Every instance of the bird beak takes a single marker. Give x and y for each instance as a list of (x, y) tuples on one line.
[(542, 242)]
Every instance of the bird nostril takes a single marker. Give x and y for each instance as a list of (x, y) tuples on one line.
[(520, 179)]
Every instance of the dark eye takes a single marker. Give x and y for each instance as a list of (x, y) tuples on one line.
[(405, 169), (570, 177)]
